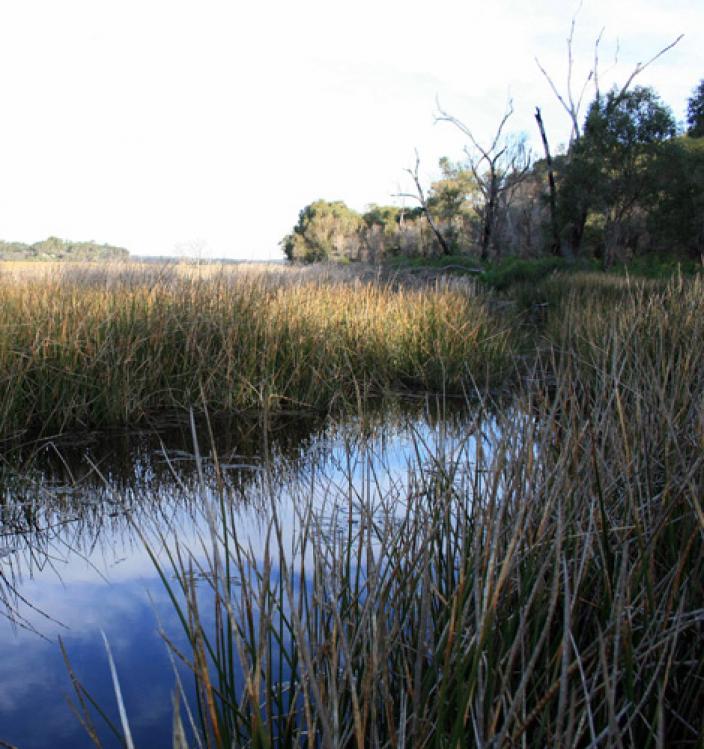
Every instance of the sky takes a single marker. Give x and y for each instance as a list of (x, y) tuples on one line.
[(202, 127)]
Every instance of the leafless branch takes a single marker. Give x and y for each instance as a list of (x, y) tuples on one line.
[(568, 102), (486, 154), (570, 111), (570, 60), (497, 170), (597, 42), (640, 67), (420, 197)]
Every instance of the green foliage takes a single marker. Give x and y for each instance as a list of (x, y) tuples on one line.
[(380, 232), (514, 270), (325, 231), (332, 231), (455, 263), (452, 200), (609, 170), (660, 267), (452, 195), (627, 187), (676, 206), (514, 275), (695, 112), (54, 248), (385, 216), (620, 122)]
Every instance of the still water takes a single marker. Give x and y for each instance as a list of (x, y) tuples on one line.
[(75, 520)]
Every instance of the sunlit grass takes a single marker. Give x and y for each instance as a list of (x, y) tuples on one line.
[(541, 588), (85, 346)]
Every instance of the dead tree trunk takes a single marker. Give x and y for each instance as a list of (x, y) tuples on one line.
[(572, 106), (555, 247), (487, 228), (422, 200), (507, 164)]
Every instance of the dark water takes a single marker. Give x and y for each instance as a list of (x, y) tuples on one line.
[(74, 520)]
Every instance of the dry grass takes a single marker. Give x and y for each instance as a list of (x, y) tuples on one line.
[(542, 588), (545, 588), (92, 346)]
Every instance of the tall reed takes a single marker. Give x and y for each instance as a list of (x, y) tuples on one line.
[(95, 348), (543, 586)]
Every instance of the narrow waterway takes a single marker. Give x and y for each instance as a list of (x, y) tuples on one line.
[(77, 521)]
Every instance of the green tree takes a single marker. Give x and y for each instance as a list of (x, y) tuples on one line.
[(380, 231), (607, 170), (386, 217), (54, 248), (695, 112), (453, 199), (568, 241), (325, 231), (676, 205)]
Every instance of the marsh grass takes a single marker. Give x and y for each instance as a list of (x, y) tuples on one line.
[(84, 347), (539, 583)]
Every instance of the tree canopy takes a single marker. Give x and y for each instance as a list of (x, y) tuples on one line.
[(325, 231), (54, 248), (626, 184), (606, 177), (695, 112)]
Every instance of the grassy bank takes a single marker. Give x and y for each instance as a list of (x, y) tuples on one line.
[(85, 347), (501, 274), (541, 588)]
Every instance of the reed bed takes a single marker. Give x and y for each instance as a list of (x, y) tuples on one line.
[(539, 583), (90, 347)]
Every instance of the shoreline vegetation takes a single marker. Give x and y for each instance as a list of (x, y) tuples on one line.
[(627, 187), (55, 249), (89, 346), (545, 590), (542, 587), (96, 346)]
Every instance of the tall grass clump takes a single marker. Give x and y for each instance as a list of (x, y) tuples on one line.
[(539, 583), (95, 348)]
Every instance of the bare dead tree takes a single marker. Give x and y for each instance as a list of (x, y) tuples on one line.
[(572, 106), (556, 246), (420, 197), (497, 169), (641, 66)]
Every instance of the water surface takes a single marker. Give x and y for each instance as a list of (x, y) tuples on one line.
[(76, 519)]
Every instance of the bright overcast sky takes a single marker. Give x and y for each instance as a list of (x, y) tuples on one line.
[(173, 126)]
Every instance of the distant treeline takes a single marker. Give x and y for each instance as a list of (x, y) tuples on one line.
[(54, 248), (630, 183)]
